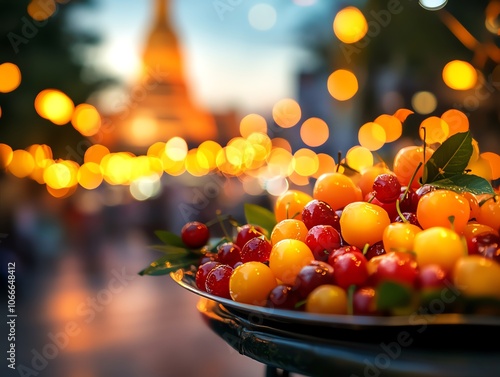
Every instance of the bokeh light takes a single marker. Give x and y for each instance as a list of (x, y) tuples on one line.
[(86, 119), (305, 162), (459, 75), (262, 16), (287, 112), (326, 164), (456, 120), (40, 10), (432, 4), (314, 132), (372, 136), (252, 123), (22, 163), (392, 126), (349, 25), (494, 160), (359, 158), (95, 153), (5, 155), (89, 175), (54, 105), (10, 77), (342, 84), (176, 148), (424, 102), (436, 130)]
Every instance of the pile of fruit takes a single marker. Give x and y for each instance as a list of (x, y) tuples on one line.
[(420, 236)]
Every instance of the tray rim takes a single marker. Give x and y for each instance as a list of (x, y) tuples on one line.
[(186, 280)]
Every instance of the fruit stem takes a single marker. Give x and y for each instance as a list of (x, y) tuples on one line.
[(398, 209), (413, 176), (339, 159)]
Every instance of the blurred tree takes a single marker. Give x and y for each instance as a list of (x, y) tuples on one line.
[(49, 55)]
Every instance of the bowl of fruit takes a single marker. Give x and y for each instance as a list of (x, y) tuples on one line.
[(363, 259)]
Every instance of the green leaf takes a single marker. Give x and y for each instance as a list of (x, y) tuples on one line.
[(170, 250), (166, 264), (258, 215), (169, 238), (465, 182), (392, 295), (450, 159)]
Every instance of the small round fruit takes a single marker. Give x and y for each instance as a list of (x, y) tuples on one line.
[(283, 296), (438, 245), (363, 301), (399, 236), (327, 299), (287, 259), (406, 162), (290, 204), (289, 228), (319, 212), (387, 187), (374, 250), (444, 208), (489, 213), (322, 240), (246, 232), (251, 283), (394, 266), (195, 234), (478, 277), (368, 176), (363, 223), (217, 281), (257, 249), (350, 269), (202, 272), (311, 276), (229, 253), (337, 189), (431, 278)]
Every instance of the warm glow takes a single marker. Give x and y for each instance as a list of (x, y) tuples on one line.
[(117, 168), (95, 153), (326, 164), (252, 123), (349, 25), (305, 162), (402, 114), (359, 158), (314, 132), (298, 179), (145, 188), (89, 175), (392, 126), (424, 102), (494, 160), (21, 164), (61, 193), (40, 10), (279, 142), (145, 166), (261, 146), (55, 106), (459, 75), (456, 120), (143, 130), (193, 165), (86, 119), (436, 130), (371, 136), (227, 159), (176, 148), (10, 77), (156, 149), (342, 84), (207, 154), (280, 162), (5, 155), (57, 176), (287, 113)]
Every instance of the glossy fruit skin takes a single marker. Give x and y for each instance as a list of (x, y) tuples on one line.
[(408, 201), (246, 232), (202, 272), (387, 188), (364, 301), (363, 223), (390, 208), (399, 236), (431, 277), (290, 204), (489, 213), (487, 245), (217, 281), (340, 251), (287, 259), (406, 161), (337, 189), (319, 212), (283, 296), (368, 176), (375, 250), (350, 269), (289, 229), (229, 253), (438, 245), (476, 276), (251, 283), (311, 276), (322, 240), (256, 249), (479, 236), (195, 234), (436, 207), (327, 299), (393, 266)]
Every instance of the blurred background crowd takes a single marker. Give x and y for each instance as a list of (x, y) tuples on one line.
[(118, 118)]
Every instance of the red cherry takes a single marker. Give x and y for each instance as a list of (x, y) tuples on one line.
[(229, 253), (395, 266), (256, 249), (202, 272), (311, 276), (363, 301), (350, 269), (390, 207), (322, 240), (319, 212), (387, 188), (341, 250), (217, 281), (431, 277), (374, 250), (408, 202), (195, 234), (247, 232), (283, 296)]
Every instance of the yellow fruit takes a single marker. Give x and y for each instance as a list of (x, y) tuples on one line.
[(251, 283), (337, 189), (290, 205), (399, 236), (289, 228), (476, 276), (327, 299), (287, 258)]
